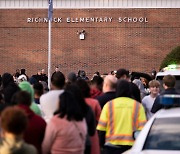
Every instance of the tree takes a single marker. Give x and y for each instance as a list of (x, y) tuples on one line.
[(172, 58)]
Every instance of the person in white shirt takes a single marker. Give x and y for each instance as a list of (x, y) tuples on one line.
[(148, 101), (49, 100)]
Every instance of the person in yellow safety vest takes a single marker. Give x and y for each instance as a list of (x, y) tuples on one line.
[(119, 118)]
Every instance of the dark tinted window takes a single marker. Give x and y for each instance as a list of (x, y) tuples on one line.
[(164, 134)]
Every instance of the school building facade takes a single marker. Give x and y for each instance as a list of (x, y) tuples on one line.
[(92, 35)]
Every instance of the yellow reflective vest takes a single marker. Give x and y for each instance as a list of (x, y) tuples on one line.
[(119, 118)]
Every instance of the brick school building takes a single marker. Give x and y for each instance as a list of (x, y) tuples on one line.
[(93, 36)]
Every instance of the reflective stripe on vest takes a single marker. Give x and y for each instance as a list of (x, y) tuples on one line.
[(135, 115), (102, 123), (142, 123), (111, 123), (136, 107), (119, 137)]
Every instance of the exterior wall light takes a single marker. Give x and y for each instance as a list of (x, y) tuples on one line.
[(81, 34)]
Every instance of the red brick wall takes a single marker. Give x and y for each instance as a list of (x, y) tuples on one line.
[(107, 46)]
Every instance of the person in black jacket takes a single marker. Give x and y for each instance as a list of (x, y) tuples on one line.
[(169, 82), (9, 87), (109, 90)]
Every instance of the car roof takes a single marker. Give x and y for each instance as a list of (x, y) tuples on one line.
[(172, 72), (166, 113)]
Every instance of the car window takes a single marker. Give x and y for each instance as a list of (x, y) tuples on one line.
[(164, 134), (177, 86)]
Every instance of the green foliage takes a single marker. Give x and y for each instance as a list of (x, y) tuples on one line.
[(172, 58)]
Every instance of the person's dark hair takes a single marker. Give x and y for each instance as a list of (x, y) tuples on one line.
[(76, 91), (14, 120), (33, 80), (97, 73), (1, 98), (85, 89), (7, 78), (169, 81), (123, 89), (121, 72), (135, 92), (38, 88), (22, 97), (98, 81), (23, 71), (58, 79), (72, 77), (69, 107), (85, 108), (82, 75)]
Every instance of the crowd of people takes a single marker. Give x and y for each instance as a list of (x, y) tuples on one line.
[(77, 115)]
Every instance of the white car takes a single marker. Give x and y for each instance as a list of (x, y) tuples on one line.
[(173, 70), (161, 134)]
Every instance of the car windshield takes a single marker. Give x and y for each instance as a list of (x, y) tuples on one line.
[(164, 134)]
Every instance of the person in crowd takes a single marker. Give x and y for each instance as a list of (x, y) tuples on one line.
[(94, 104), (26, 86), (9, 87), (145, 83), (35, 131), (113, 73), (38, 76), (32, 80), (2, 103), (92, 143), (153, 73), (17, 73), (57, 69), (71, 78), (109, 90), (140, 85), (148, 101), (66, 131), (23, 72), (119, 118), (96, 86), (82, 75), (44, 76), (123, 74), (169, 82), (49, 100), (38, 91), (14, 123), (45, 86), (135, 92), (95, 74), (21, 78)]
